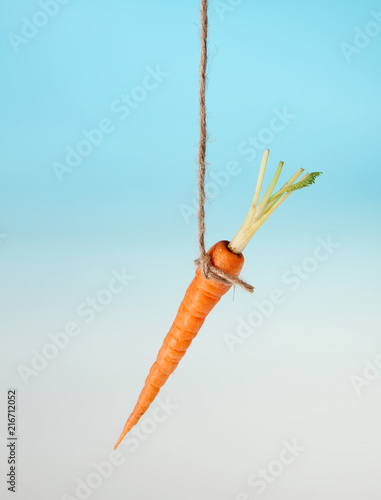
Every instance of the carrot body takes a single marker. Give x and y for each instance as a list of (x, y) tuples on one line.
[(200, 298)]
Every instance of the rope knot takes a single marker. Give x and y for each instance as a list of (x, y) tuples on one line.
[(209, 271), (204, 263)]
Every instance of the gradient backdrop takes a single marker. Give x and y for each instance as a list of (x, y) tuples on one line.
[(127, 207)]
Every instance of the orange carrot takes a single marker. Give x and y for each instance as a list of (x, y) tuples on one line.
[(204, 293), (200, 298)]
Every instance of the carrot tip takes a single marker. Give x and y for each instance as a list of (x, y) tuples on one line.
[(118, 443)]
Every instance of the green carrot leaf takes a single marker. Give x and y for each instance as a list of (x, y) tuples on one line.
[(307, 181)]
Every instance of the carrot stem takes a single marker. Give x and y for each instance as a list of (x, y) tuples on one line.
[(270, 189), (259, 213), (260, 178)]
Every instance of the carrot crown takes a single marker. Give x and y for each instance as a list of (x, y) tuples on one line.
[(259, 212)]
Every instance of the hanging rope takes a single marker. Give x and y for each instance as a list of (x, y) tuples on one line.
[(204, 262)]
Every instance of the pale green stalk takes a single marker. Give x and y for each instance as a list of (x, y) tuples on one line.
[(258, 214), (270, 189), (260, 178)]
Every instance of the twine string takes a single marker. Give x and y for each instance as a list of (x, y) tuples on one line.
[(204, 262)]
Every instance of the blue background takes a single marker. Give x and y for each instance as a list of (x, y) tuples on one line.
[(122, 208)]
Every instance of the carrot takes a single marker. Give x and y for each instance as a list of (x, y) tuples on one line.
[(200, 298), (204, 293)]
